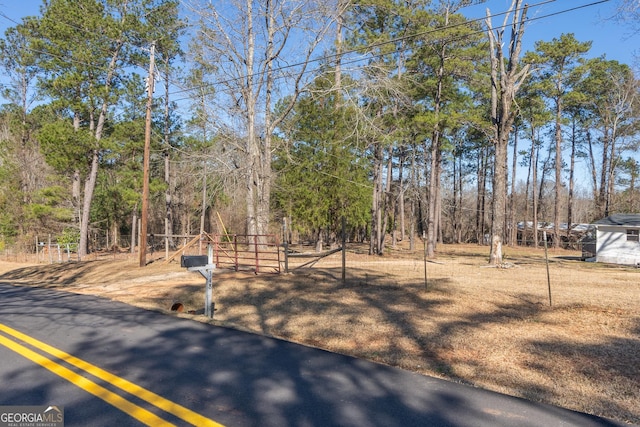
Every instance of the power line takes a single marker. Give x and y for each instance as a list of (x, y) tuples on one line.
[(433, 42), (71, 60), (364, 49)]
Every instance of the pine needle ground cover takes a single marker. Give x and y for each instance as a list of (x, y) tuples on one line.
[(489, 327)]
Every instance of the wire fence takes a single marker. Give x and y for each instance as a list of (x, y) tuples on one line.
[(259, 254)]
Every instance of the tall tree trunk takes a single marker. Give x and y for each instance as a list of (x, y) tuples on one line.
[(203, 201), (264, 190), (168, 215), (506, 78), (534, 192), (434, 183), (513, 228), (342, 5), (602, 193), (76, 181), (89, 186), (632, 188), (252, 153), (413, 202), (594, 175), (525, 225), (543, 180), (498, 205), (377, 202), (456, 209), (572, 165), (481, 195), (436, 153), (611, 175), (401, 194), (558, 178), (532, 176), (387, 200), (115, 236), (90, 183), (134, 229), (439, 214)]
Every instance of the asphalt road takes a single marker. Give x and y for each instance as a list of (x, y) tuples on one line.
[(110, 364)]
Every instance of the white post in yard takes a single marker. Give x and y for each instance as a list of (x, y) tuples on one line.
[(208, 303)]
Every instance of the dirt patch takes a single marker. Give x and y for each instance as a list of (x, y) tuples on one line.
[(490, 327)]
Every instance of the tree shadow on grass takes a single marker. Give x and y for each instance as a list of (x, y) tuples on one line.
[(235, 378), (53, 275), (270, 381), (395, 306), (611, 366)]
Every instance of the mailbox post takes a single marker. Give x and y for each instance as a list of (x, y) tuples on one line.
[(202, 264)]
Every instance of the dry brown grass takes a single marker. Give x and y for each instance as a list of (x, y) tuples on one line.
[(490, 327)]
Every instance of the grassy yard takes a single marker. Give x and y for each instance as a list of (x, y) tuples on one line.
[(490, 327)]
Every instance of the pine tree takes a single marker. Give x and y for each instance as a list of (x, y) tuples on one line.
[(84, 48), (322, 171), (557, 62)]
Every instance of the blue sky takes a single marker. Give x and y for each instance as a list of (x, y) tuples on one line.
[(589, 23)]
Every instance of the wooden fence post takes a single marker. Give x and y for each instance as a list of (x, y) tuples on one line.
[(344, 250), (257, 253), (286, 246), (235, 249)]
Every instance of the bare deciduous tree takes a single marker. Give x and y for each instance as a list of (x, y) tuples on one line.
[(507, 75), (261, 48)]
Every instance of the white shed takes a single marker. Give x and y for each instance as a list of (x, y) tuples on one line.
[(614, 239)]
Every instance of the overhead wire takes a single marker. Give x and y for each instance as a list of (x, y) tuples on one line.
[(326, 57), (366, 48), (363, 49), (71, 60), (451, 39)]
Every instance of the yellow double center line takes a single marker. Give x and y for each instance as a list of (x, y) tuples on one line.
[(137, 412)]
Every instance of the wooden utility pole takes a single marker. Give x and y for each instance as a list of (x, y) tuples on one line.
[(145, 161)]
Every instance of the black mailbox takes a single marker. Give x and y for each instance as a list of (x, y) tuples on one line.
[(188, 261)]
